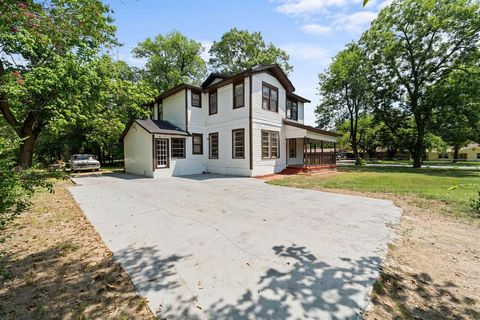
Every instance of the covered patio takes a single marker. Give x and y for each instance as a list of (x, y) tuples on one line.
[(308, 148)]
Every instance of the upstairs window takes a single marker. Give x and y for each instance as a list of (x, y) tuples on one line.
[(238, 94), (178, 148), (196, 99), (197, 143), (238, 144), (212, 103), (270, 145), (269, 97), (292, 110)]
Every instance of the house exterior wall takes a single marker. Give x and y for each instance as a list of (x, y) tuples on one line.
[(470, 154), (267, 120), (174, 109), (298, 159), (138, 151), (223, 122)]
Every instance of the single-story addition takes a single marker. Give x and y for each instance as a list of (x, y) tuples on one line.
[(248, 124)]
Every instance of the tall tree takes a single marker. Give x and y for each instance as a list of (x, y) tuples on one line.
[(344, 92), (238, 50), (457, 116), (44, 46), (414, 44), (171, 60)]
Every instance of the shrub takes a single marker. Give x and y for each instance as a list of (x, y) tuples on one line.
[(16, 186)]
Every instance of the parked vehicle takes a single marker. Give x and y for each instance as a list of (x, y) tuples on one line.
[(80, 162)]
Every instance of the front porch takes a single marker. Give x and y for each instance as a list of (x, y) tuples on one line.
[(309, 149)]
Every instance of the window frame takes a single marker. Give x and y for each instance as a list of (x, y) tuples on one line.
[(184, 148), (292, 102), (235, 84), (242, 130), (270, 132), (270, 89), (210, 135), (213, 92), (292, 143), (160, 114), (193, 143), (196, 92)]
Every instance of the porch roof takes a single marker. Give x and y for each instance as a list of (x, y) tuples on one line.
[(294, 130)]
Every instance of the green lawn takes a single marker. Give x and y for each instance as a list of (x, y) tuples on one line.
[(454, 187), (429, 163)]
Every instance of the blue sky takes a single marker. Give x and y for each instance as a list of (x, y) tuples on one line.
[(311, 31)]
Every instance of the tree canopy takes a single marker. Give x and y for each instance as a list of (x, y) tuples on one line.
[(413, 44), (238, 50), (170, 60), (46, 48)]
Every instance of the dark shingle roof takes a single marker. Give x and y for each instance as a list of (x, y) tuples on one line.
[(156, 126)]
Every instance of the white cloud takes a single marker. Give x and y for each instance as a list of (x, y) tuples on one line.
[(308, 7), (316, 29), (355, 22), (207, 44), (308, 52)]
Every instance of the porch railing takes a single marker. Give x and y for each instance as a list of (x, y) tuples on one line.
[(321, 159)]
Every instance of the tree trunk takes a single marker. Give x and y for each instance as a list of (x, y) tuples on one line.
[(25, 153), (455, 153), (418, 150)]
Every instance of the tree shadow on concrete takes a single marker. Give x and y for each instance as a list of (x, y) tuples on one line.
[(303, 288), (56, 284)]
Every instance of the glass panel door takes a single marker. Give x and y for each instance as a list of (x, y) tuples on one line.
[(161, 147)]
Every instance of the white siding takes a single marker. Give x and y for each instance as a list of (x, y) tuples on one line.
[(298, 159), (301, 112), (174, 109), (223, 122), (138, 151), (267, 120)]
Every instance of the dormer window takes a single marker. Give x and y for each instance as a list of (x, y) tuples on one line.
[(292, 109), (196, 99)]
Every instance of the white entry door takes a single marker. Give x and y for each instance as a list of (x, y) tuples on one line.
[(161, 153)]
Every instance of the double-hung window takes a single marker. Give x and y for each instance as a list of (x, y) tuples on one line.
[(238, 144), (212, 103), (197, 143), (196, 99), (178, 148), (238, 94), (213, 145), (269, 97), (270, 144), (292, 109)]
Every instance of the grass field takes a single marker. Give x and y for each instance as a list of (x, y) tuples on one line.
[(453, 187), (428, 163)]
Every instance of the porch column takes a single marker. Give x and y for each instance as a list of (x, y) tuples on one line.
[(304, 151), (335, 153), (322, 156)]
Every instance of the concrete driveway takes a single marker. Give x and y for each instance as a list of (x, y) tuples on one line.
[(215, 247)]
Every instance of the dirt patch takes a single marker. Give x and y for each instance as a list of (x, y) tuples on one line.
[(59, 268), (432, 269)]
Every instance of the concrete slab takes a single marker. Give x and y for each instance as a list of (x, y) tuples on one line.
[(216, 247)]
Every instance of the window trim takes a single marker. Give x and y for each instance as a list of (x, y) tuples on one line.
[(236, 83), (155, 147), (192, 92), (184, 148), (209, 102), (269, 144), (271, 87), (193, 143), (291, 108), (210, 145), (233, 143)]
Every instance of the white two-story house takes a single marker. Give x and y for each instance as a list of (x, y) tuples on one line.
[(249, 124)]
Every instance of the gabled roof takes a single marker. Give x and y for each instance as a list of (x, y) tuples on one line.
[(176, 89), (212, 77), (310, 128), (155, 126), (209, 83)]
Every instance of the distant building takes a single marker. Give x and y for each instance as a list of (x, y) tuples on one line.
[(470, 153)]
